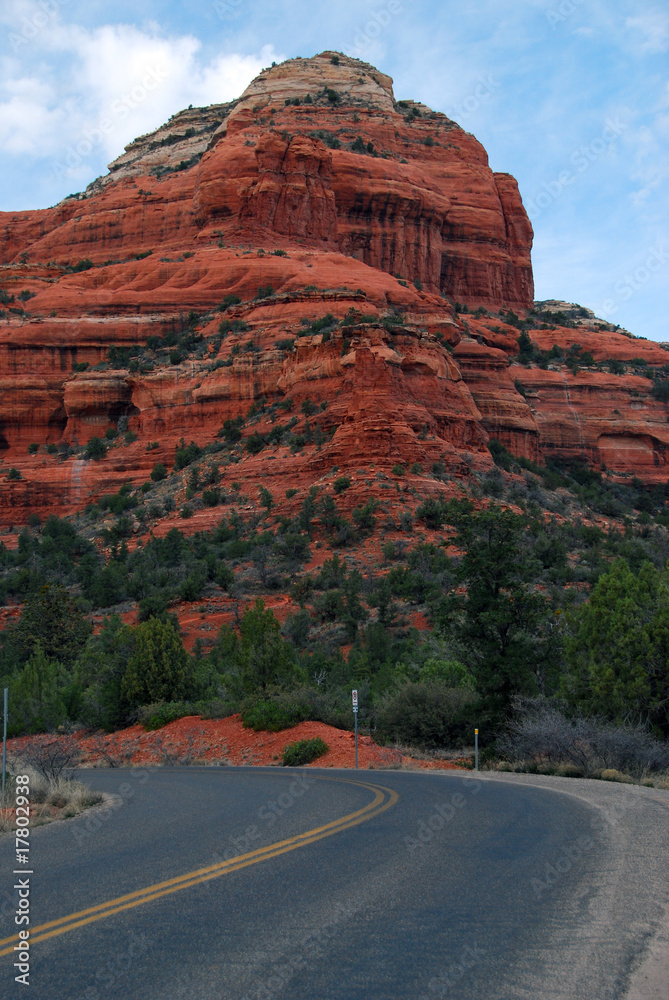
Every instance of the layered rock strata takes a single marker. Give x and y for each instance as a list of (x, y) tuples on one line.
[(315, 193)]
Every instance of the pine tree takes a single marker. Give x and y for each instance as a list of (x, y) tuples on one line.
[(159, 668), (617, 647)]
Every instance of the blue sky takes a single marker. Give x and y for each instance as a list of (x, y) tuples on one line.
[(572, 97)]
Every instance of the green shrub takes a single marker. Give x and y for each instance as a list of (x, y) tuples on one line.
[(13, 474), (266, 498), (308, 407), (433, 512), (211, 497), (119, 357), (341, 484), (660, 390), (364, 516), (273, 714), (96, 449), (232, 326), (304, 751), (157, 715), (192, 587), (231, 430), (158, 472), (228, 301), (185, 454), (427, 714), (33, 448), (255, 443)]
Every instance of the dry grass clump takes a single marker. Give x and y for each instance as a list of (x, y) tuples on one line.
[(657, 781), (610, 774), (50, 798)]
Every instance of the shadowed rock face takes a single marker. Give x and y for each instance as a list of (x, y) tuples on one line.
[(320, 188)]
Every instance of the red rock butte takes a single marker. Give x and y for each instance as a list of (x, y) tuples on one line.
[(314, 193)]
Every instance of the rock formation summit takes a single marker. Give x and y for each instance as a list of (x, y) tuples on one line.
[(319, 259)]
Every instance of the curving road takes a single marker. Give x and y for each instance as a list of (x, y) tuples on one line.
[(273, 883)]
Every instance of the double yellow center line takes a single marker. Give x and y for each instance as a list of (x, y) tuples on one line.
[(383, 799)]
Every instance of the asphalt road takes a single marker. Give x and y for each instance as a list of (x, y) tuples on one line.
[(384, 885)]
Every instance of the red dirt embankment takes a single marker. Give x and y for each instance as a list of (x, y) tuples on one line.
[(226, 741)]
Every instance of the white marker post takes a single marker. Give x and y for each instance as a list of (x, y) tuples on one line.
[(354, 695), (476, 749)]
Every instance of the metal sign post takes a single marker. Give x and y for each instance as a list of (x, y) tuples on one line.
[(354, 695), (4, 748), (476, 749)]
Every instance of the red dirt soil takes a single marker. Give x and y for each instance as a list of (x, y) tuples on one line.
[(226, 741)]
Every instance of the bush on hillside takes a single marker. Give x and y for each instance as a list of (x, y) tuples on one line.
[(427, 714), (275, 713), (160, 713), (304, 751)]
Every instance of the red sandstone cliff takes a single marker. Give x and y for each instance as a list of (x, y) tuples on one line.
[(318, 184)]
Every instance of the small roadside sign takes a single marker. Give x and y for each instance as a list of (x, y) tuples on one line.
[(354, 697)]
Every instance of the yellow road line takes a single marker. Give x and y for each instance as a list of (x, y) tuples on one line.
[(132, 899)]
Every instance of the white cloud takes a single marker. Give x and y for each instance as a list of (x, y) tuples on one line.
[(653, 25), (28, 117), (129, 78)]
